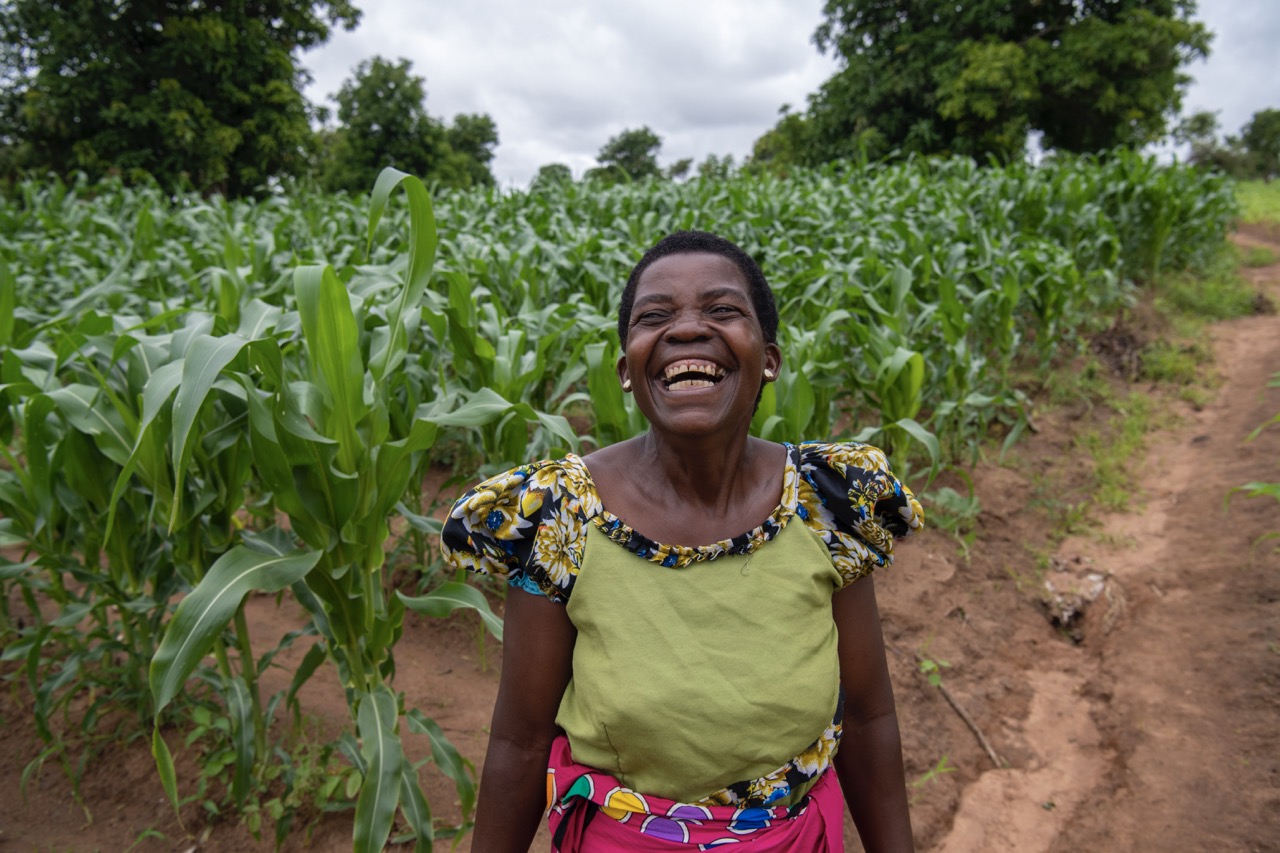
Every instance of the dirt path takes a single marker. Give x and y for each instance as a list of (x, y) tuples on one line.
[(1150, 723), (1162, 733)]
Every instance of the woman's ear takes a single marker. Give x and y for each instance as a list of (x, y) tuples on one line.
[(772, 362), (623, 374)]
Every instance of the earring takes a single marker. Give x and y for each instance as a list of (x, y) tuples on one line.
[(626, 385), (768, 374)]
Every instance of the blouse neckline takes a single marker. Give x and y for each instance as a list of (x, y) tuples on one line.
[(679, 556)]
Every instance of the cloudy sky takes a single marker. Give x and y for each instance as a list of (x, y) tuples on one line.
[(560, 77)]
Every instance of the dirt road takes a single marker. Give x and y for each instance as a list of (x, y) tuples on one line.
[(1160, 729)]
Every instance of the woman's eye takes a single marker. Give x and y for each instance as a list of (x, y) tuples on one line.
[(650, 317), (724, 310)]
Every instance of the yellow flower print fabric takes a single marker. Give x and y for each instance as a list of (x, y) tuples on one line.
[(528, 524)]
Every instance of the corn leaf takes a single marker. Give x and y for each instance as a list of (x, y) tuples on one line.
[(384, 757), (206, 611), (451, 596)]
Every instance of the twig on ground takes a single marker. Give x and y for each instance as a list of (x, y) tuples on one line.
[(964, 715), (973, 727)]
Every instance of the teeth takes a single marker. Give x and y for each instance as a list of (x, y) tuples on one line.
[(693, 366), (690, 383)]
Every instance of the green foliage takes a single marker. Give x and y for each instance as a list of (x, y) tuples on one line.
[(1217, 292), (550, 175), (714, 168), (1253, 154), (472, 138), (194, 95), (1257, 256), (976, 78), (1261, 137), (678, 170), (1113, 454), (383, 121), (178, 374), (1259, 201), (784, 146), (631, 155), (955, 513)]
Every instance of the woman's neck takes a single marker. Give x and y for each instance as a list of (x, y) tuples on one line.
[(690, 491)]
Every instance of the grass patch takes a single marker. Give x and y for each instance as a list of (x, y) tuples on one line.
[(1112, 453), (1217, 293), (1259, 201), (1257, 256), (1179, 364), (1087, 381)]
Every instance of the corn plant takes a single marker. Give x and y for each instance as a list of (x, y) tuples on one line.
[(325, 445)]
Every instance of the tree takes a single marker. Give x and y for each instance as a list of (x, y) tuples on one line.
[(715, 168), (190, 93), (632, 154), (383, 121), (783, 147), (974, 78), (1254, 153), (473, 138), (1261, 138), (550, 175), (679, 170)]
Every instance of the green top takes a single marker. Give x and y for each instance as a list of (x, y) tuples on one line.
[(740, 681), (688, 680)]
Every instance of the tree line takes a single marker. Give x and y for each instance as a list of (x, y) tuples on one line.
[(208, 95)]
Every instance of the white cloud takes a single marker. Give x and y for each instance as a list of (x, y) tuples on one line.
[(560, 77), (1242, 73)]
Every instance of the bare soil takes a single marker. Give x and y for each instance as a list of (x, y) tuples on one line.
[(1124, 670)]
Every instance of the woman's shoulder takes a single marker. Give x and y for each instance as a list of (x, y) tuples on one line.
[(842, 456), (526, 524), (850, 498), (511, 502)]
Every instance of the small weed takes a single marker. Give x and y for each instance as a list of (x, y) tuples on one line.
[(149, 832), (930, 667), (1259, 201), (1218, 293), (1112, 457), (305, 782), (1068, 517), (1088, 383), (940, 769), (956, 514), (1257, 256), (1196, 395), (1163, 361)]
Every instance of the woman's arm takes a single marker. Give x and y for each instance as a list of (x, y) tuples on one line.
[(537, 660), (869, 762)]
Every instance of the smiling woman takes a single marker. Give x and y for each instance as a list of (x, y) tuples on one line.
[(694, 656)]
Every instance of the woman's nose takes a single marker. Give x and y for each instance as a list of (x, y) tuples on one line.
[(687, 325)]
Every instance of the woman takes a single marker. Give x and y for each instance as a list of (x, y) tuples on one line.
[(662, 696)]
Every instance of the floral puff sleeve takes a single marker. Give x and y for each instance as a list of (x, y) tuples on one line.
[(853, 502), (526, 525)]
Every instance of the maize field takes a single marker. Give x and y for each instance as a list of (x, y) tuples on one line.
[(203, 399)]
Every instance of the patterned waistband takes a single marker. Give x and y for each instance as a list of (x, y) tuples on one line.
[(586, 804)]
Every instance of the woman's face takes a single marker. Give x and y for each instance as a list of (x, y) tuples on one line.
[(695, 353)]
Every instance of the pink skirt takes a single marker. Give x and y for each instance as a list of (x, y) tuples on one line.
[(591, 812)]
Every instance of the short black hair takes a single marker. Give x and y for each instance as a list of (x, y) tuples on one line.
[(703, 242)]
